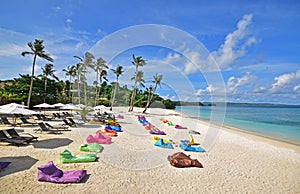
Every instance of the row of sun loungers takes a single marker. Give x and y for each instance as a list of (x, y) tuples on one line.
[(15, 138)]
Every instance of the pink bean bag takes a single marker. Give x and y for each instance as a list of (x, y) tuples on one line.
[(98, 138)]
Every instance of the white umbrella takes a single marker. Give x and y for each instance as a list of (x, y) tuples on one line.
[(58, 105), (99, 107), (17, 110), (70, 107), (13, 105), (44, 105)]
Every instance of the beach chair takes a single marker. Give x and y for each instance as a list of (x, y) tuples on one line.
[(44, 118), (56, 126), (26, 122), (68, 123), (14, 134), (44, 128), (14, 141), (75, 123), (6, 121)]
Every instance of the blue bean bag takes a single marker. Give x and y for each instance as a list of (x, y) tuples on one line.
[(186, 147), (50, 173), (115, 128), (4, 164), (162, 144)]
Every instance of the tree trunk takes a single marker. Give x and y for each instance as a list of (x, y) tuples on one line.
[(45, 89), (31, 81), (114, 96)]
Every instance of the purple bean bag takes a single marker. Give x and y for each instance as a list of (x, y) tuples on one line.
[(50, 173), (4, 164), (157, 132)]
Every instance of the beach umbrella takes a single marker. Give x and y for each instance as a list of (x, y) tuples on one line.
[(17, 110), (43, 105), (58, 105), (13, 105), (70, 107)]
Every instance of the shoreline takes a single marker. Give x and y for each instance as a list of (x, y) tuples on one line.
[(263, 137)]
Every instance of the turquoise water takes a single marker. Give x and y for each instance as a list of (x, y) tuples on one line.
[(275, 121)]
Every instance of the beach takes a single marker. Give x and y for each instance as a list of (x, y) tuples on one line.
[(235, 162)]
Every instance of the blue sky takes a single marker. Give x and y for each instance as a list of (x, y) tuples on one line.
[(254, 43)]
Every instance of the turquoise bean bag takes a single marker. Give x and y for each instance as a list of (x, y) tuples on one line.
[(186, 147), (92, 147), (67, 157), (162, 144)]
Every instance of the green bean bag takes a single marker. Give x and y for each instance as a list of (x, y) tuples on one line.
[(66, 157), (92, 147)]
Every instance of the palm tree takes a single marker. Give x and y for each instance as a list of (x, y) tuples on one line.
[(71, 72), (138, 81), (37, 50), (48, 71), (157, 80), (137, 62), (78, 69), (88, 61), (99, 66), (118, 71)]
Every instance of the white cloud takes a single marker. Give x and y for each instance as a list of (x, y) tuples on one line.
[(235, 44), (286, 83), (9, 49), (233, 84)]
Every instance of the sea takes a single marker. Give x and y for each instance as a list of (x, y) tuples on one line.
[(277, 121)]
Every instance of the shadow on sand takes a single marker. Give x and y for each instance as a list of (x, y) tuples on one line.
[(52, 143), (18, 163)]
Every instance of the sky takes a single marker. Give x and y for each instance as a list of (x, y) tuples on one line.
[(234, 51)]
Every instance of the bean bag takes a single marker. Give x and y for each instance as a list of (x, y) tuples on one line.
[(171, 124), (190, 141), (109, 132), (67, 157), (92, 147), (4, 164), (157, 132), (180, 160), (156, 138), (115, 128), (180, 127), (162, 144), (98, 138), (187, 147), (50, 173)]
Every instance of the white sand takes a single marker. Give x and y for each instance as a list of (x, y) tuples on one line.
[(236, 163)]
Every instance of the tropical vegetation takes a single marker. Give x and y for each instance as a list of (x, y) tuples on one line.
[(47, 87)]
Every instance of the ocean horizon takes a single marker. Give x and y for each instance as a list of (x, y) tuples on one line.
[(277, 121)]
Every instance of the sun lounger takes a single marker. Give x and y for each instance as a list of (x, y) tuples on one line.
[(25, 121), (68, 123), (6, 121), (14, 141), (50, 173), (44, 128), (14, 134), (56, 126)]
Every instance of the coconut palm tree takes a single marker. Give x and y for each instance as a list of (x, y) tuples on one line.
[(71, 72), (37, 50), (139, 81), (99, 66), (88, 61), (157, 79), (78, 68), (118, 71), (137, 62), (48, 71)]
